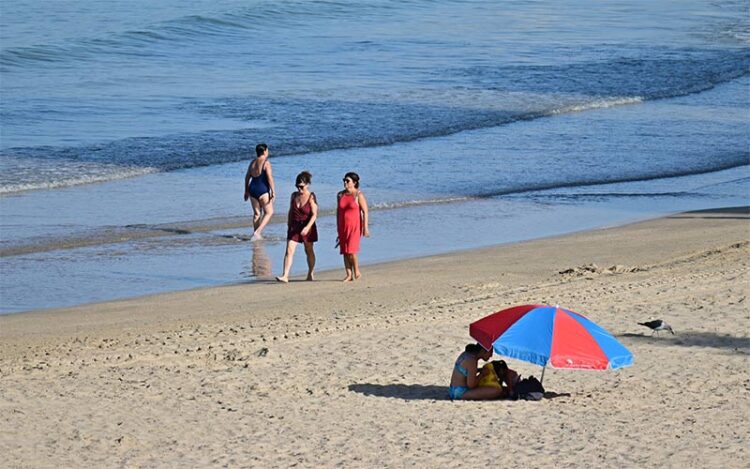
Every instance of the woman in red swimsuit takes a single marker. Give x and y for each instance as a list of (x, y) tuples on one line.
[(303, 211), (352, 222)]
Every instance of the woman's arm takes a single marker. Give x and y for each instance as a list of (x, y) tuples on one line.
[(289, 212), (271, 184), (247, 182), (472, 379), (338, 216), (363, 212), (314, 210)]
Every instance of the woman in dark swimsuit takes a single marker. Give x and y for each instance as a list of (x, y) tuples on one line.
[(260, 189), (301, 228)]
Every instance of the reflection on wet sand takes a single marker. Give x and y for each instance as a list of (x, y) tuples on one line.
[(261, 262)]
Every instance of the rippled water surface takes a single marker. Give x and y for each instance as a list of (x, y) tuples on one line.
[(127, 127)]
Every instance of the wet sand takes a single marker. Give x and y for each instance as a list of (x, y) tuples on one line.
[(325, 374)]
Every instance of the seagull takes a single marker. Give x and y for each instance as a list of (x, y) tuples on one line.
[(657, 325)]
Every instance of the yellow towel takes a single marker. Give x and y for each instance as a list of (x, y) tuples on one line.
[(488, 377)]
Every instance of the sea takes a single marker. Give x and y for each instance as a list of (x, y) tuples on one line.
[(126, 128)]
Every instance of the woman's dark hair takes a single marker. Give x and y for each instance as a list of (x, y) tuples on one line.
[(303, 178), (474, 349), (354, 177), (500, 366), (260, 149)]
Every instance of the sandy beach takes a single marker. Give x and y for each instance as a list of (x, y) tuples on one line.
[(355, 375)]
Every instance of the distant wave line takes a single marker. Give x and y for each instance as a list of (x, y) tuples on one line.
[(124, 173), (592, 183), (188, 28), (180, 162)]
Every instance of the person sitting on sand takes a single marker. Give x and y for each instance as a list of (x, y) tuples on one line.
[(496, 375), (488, 379), (508, 377), (465, 378)]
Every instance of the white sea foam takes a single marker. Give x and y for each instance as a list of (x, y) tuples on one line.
[(29, 175), (598, 104), (416, 203)]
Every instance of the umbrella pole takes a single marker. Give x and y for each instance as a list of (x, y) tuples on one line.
[(541, 381)]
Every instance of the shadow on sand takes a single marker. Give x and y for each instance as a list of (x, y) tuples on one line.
[(412, 392), (695, 339), (408, 392)]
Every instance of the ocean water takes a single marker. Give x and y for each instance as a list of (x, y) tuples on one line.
[(126, 129)]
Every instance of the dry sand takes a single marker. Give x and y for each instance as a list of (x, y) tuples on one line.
[(328, 374)]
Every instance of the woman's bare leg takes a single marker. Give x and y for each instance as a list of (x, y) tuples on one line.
[(348, 267), (310, 251), (291, 246), (256, 213), (355, 267), (482, 393), (267, 207)]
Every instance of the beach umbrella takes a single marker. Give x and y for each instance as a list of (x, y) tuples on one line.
[(550, 335)]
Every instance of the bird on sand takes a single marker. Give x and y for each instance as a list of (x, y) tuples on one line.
[(657, 325)]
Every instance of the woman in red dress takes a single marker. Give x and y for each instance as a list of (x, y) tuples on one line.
[(352, 222), (301, 228)]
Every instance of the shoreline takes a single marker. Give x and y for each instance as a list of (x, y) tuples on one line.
[(328, 276), (136, 232), (327, 374)]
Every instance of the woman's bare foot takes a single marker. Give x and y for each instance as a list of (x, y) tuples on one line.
[(256, 237), (347, 279), (357, 276), (310, 277), (282, 279)]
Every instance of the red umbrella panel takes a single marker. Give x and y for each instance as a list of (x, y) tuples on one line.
[(550, 335)]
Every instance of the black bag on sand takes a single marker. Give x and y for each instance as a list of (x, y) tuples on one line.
[(529, 389)]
